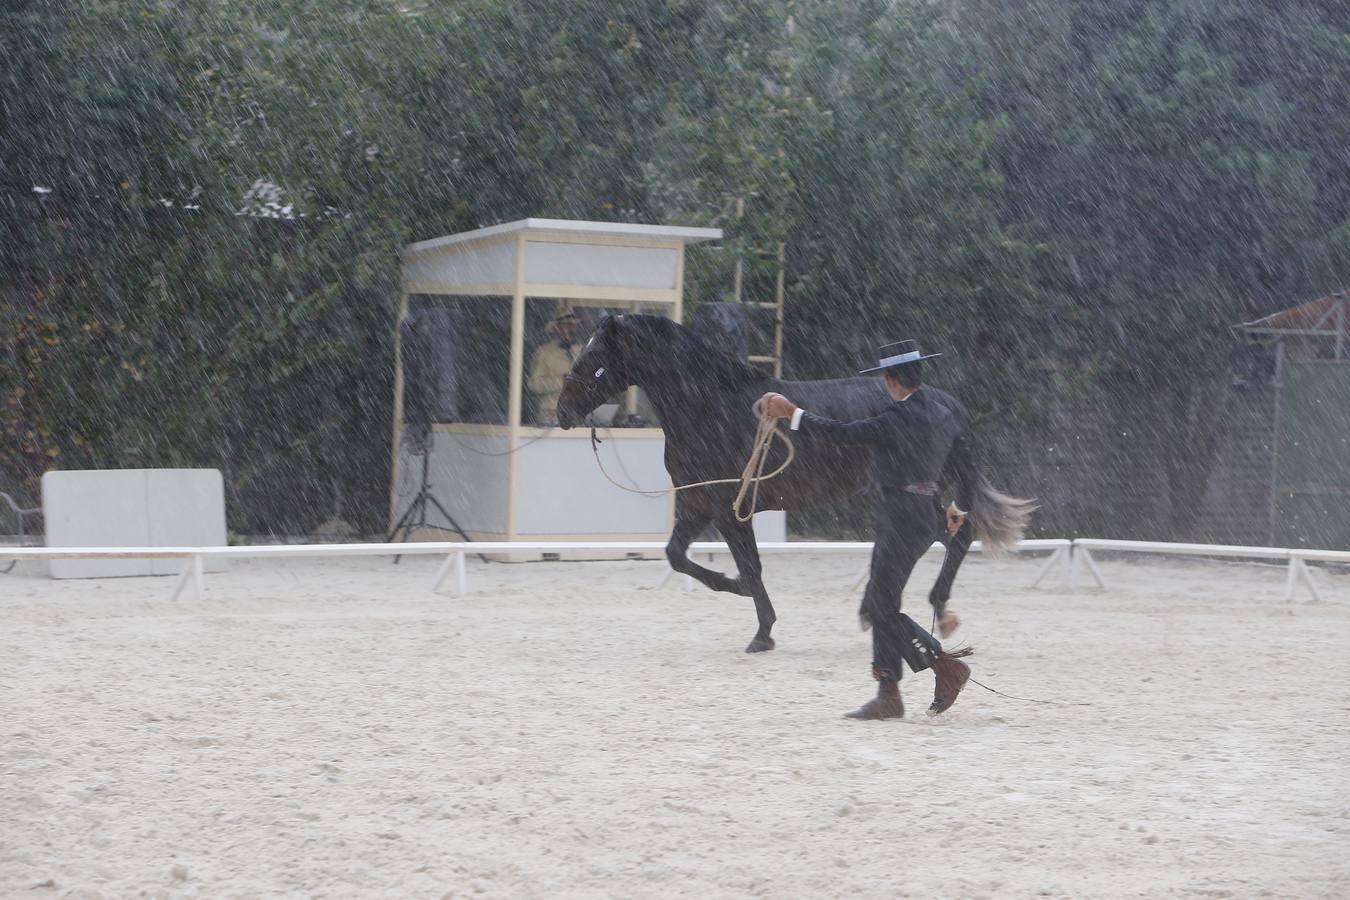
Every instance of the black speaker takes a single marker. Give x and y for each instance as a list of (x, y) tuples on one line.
[(725, 326), (430, 380)]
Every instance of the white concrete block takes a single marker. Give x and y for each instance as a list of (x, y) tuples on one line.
[(770, 526)]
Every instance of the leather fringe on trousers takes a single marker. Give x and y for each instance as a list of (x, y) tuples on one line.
[(906, 524)]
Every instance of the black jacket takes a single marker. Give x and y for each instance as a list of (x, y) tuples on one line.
[(921, 439)]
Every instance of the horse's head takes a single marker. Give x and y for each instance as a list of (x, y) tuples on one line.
[(599, 373)]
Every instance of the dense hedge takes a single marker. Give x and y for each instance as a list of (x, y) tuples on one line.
[(201, 200)]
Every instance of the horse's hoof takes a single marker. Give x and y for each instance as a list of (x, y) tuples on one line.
[(759, 645)]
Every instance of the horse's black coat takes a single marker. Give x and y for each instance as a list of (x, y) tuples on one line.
[(704, 399)]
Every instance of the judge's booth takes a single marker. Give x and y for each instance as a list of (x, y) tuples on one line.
[(478, 313)]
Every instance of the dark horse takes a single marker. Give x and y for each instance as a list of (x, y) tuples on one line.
[(704, 398)]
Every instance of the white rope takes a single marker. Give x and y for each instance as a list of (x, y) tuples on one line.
[(751, 475)]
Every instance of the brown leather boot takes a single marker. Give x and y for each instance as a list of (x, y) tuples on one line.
[(952, 675), (885, 705)]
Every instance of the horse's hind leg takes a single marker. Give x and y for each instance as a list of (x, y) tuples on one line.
[(686, 529), (957, 547), (740, 537)]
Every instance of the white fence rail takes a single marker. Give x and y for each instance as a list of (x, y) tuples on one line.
[(1065, 555), (1297, 559)]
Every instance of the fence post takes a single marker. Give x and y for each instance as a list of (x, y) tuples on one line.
[(442, 572), (1092, 568), (1291, 579), (182, 580), (1306, 573), (1050, 561), (198, 577), (461, 575)]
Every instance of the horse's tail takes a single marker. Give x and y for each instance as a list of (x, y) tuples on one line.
[(999, 519)]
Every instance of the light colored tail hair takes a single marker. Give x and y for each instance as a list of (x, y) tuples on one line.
[(999, 519)]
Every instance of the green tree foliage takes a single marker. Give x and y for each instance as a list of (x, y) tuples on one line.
[(897, 228), (1180, 160), (151, 323), (202, 200)]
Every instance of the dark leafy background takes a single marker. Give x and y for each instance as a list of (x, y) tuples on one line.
[(201, 201)]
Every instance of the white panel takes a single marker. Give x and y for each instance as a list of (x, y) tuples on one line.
[(133, 508), (494, 264), (467, 474), (610, 266), (96, 508), (186, 509), (561, 491), (770, 526)]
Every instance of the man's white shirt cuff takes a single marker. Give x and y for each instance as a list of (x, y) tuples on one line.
[(796, 419)]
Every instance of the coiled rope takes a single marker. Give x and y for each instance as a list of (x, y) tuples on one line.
[(751, 475)]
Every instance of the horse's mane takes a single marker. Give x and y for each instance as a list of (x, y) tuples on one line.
[(690, 353)]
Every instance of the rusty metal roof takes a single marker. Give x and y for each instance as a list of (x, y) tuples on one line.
[(1325, 316)]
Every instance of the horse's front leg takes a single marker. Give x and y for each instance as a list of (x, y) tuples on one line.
[(740, 538), (686, 529)]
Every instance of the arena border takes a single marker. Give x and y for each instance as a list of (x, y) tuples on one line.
[(1066, 555), (1060, 556), (1296, 559), (456, 553)]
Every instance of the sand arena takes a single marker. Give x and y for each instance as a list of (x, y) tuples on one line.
[(329, 728)]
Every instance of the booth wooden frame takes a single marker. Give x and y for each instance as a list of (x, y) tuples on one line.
[(613, 238)]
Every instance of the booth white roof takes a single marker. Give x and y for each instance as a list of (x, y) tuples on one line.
[(574, 226)]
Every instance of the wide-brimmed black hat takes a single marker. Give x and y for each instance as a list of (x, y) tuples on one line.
[(898, 354)]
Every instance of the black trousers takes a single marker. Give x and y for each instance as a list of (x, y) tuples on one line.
[(906, 526)]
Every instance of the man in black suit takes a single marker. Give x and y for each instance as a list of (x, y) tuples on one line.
[(912, 441)]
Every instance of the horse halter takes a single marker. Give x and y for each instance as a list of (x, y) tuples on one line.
[(592, 381)]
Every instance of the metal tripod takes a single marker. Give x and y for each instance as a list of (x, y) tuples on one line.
[(415, 516)]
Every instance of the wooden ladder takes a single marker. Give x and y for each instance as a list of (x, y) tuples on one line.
[(761, 293)]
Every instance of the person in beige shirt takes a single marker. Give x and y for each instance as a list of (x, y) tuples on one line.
[(549, 365)]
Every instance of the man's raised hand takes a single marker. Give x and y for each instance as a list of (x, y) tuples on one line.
[(778, 406)]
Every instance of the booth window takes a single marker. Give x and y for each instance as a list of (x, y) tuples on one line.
[(546, 356), (456, 355)]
